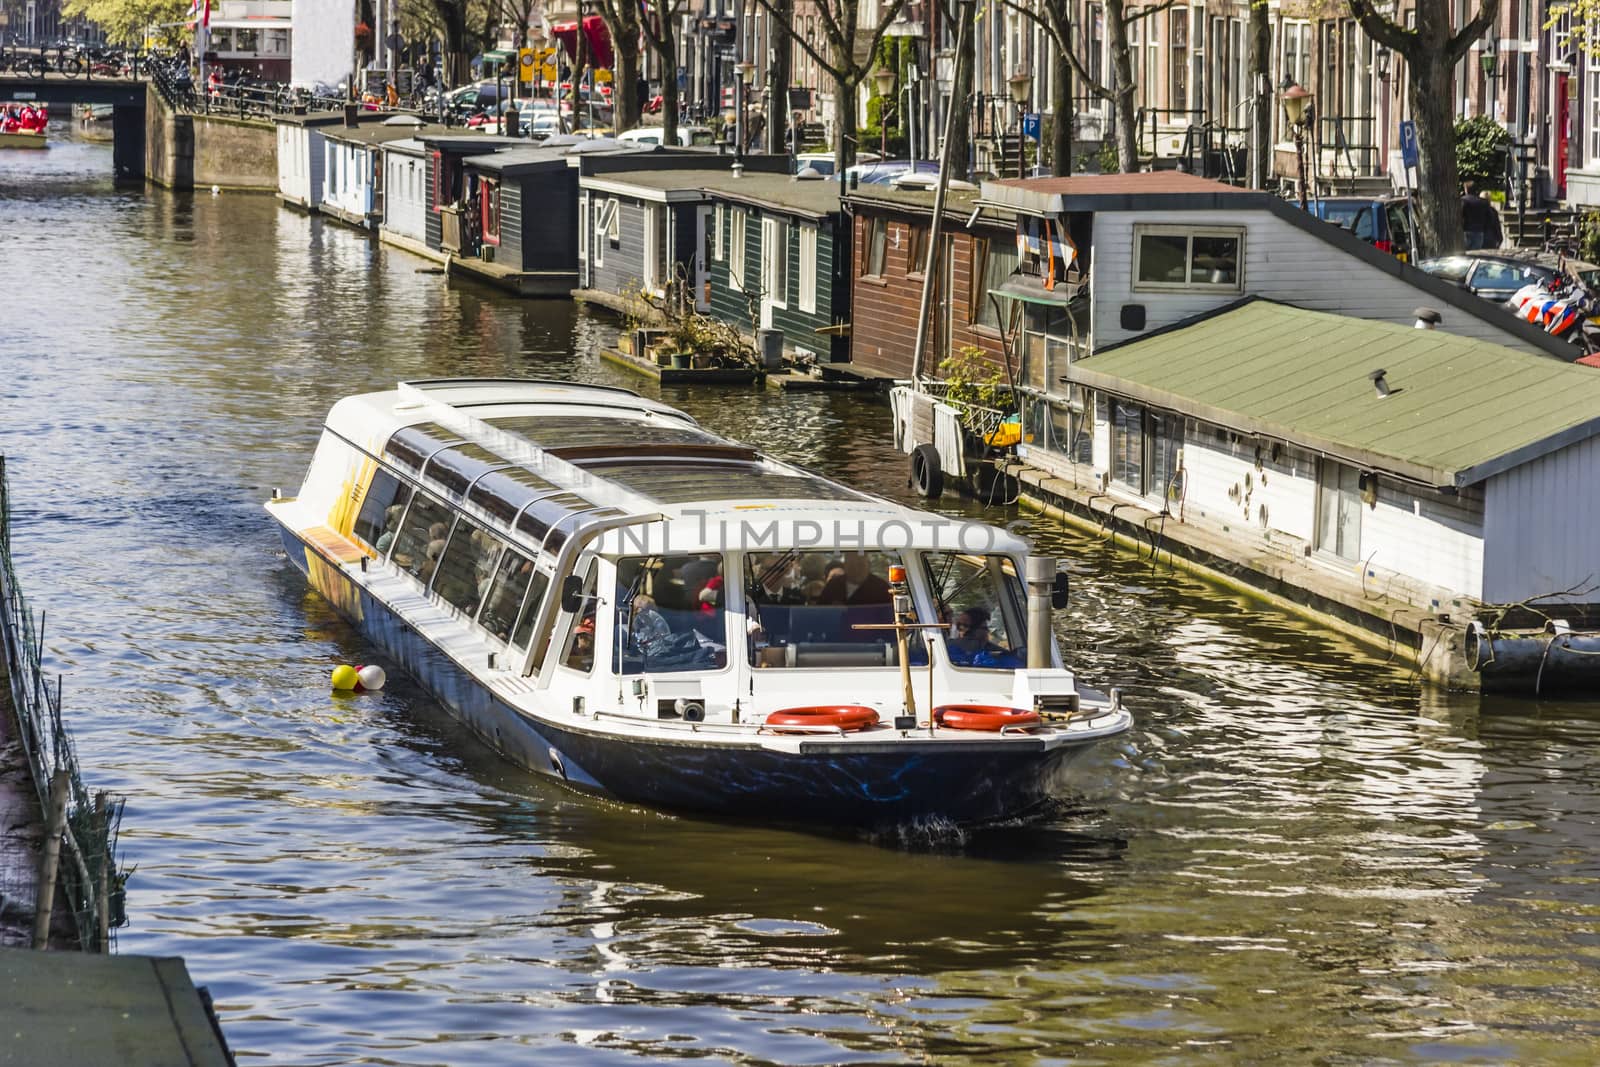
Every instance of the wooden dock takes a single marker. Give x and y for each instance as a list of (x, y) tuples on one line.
[(683, 376)]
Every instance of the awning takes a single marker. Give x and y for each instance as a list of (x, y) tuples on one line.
[(594, 28), (1026, 288)]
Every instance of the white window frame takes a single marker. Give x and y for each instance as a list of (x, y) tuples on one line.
[(718, 227), (605, 227), (1141, 231), (1591, 159), (656, 226), (775, 259), (808, 269), (737, 263), (583, 227)]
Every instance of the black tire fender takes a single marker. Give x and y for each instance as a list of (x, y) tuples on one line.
[(927, 476)]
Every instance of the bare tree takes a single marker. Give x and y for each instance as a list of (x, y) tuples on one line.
[(848, 61), (960, 148), (1431, 52), (660, 29), (1260, 61), (622, 19)]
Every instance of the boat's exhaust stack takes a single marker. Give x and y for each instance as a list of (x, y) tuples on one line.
[(1041, 578)]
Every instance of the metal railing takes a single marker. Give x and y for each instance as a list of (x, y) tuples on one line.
[(1349, 145), (89, 875)]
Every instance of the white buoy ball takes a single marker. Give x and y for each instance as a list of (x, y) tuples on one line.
[(372, 677)]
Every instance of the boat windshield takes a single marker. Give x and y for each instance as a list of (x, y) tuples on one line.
[(671, 614), (809, 609), (982, 600)]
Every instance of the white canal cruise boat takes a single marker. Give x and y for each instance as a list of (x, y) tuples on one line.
[(611, 595)]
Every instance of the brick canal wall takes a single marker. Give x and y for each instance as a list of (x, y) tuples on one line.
[(199, 151)]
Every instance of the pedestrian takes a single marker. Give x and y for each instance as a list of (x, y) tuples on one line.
[(1479, 219)]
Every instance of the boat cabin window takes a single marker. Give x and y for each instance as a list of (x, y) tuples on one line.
[(671, 614), (807, 609), (421, 540), (507, 590), (466, 566), (982, 600), (578, 652), (381, 511), (538, 585)]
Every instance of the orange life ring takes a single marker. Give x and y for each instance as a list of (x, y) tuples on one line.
[(983, 717), (846, 717)]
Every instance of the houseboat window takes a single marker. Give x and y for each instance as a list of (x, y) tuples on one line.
[(466, 566), (1187, 258), (421, 540), (877, 247), (916, 249), (996, 261), (1064, 427), (736, 260), (982, 601), (1165, 457), (658, 253), (808, 268), (671, 614), (775, 259), (381, 511), (805, 610), (719, 228), (1339, 510), (578, 653), (491, 212)]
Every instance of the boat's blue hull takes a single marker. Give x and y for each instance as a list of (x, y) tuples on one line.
[(828, 782)]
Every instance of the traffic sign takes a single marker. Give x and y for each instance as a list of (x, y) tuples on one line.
[(1030, 125), (1408, 142)]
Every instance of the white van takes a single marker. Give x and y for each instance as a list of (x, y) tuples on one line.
[(688, 136)]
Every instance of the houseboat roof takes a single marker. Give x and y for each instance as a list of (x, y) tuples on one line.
[(326, 118), (376, 133), (466, 141), (656, 184), (1457, 411), (543, 455), (1103, 192), (543, 156), (813, 199), (958, 203)]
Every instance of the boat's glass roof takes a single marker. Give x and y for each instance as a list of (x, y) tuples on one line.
[(412, 445), (458, 467), (681, 483), (503, 493), (568, 431)]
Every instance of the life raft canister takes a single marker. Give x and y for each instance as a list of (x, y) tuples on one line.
[(983, 717), (847, 717)]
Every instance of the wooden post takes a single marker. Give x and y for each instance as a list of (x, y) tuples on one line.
[(102, 888), (50, 859)]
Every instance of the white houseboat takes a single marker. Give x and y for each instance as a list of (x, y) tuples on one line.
[(611, 595)]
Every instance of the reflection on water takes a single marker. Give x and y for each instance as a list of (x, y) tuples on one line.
[(1298, 856)]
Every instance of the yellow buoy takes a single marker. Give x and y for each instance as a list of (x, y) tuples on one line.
[(344, 676)]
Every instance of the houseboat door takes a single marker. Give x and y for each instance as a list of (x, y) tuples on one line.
[(702, 258), (774, 268)]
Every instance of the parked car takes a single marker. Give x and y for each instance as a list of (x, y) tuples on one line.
[(1381, 221), (688, 136), (1496, 275), (826, 163), (884, 171)]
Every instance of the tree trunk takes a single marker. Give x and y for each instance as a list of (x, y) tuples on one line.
[(1064, 119), (781, 67), (961, 97), (668, 55), (1438, 199), (1122, 110), (1260, 33), (625, 80), (580, 63), (844, 122)]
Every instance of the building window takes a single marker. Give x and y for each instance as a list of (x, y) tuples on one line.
[(1127, 445), (736, 260), (808, 268), (993, 262), (775, 258), (1339, 510), (491, 212), (876, 246), (1182, 258), (1593, 158), (1179, 72)]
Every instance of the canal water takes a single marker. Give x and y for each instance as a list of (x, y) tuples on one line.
[(1298, 856)]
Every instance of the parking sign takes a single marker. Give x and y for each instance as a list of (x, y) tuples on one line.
[(1408, 142)]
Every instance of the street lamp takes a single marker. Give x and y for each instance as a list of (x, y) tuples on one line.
[(1021, 84), (1489, 61), (1296, 101), (1381, 64), (747, 76), (883, 78)]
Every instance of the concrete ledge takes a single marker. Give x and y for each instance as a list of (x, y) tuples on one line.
[(518, 282), (411, 244), (622, 305), (1422, 638)]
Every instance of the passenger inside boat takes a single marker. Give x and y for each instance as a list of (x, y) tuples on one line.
[(824, 621), (986, 603), (672, 616)]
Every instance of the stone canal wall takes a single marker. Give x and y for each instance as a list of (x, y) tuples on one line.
[(199, 151)]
